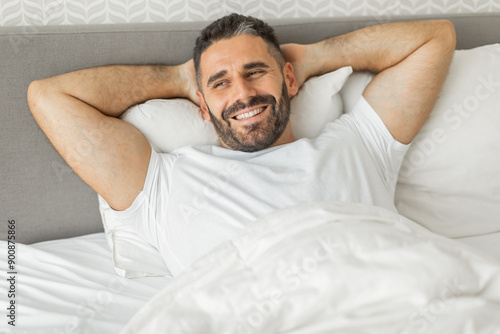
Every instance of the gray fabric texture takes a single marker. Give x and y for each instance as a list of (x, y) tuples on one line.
[(37, 188)]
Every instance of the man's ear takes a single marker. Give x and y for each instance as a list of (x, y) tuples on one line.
[(291, 81), (203, 106)]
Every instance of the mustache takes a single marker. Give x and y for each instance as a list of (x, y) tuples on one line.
[(254, 101)]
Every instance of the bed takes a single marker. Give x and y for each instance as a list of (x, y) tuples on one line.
[(353, 269)]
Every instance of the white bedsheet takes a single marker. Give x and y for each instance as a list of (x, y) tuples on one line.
[(69, 286), (331, 268)]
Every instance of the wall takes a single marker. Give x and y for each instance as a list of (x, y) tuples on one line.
[(67, 12)]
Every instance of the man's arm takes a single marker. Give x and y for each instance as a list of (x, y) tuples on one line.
[(411, 60), (78, 110)]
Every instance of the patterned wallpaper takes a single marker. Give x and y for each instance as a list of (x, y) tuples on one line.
[(67, 12)]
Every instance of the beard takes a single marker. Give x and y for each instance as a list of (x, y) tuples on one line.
[(258, 135)]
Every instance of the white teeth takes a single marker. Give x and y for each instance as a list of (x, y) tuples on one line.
[(250, 114)]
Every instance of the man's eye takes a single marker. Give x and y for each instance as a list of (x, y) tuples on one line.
[(218, 84), (254, 73)]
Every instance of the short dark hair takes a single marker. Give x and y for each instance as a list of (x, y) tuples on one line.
[(234, 25)]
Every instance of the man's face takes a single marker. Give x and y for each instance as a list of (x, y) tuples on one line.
[(246, 94)]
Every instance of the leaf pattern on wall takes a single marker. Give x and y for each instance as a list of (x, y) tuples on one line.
[(68, 12), (11, 13)]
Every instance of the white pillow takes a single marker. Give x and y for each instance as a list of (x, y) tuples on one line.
[(173, 123), (450, 178), (170, 124), (317, 103), (354, 87)]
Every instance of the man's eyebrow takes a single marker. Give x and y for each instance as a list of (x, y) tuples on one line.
[(255, 64), (216, 76)]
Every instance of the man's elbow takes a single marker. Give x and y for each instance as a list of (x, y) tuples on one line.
[(446, 34), (38, 92), (33, 92)]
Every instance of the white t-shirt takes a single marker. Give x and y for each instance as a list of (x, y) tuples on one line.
[(198, 197)]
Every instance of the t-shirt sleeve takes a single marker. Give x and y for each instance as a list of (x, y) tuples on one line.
[(143, 216), (386, 152)]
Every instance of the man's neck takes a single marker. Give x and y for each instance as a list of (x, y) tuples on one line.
[(286, 137)]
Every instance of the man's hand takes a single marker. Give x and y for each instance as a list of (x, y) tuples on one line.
[(411, 60), (187, 76), (305, 59), (296, 54)]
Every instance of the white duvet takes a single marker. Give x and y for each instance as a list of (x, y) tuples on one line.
[(331, 268), (68, 286)]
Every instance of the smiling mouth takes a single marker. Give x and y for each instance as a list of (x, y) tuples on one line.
[(249, 114)]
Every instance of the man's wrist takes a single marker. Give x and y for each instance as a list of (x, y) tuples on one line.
[(321, 59)]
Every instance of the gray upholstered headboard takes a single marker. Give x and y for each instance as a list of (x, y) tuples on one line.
[(37, 189)]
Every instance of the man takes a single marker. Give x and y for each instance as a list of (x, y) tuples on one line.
[(187, 202)]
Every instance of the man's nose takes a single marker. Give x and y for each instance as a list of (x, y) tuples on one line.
[(243, 89)]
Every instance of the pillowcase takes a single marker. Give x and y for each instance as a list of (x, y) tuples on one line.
[(173, 123), (450, 178), (449, 181), (318, 102), (170, 124)]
